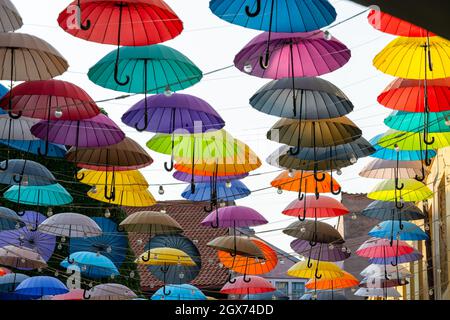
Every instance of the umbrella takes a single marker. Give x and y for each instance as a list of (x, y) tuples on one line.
[(406, 258), (383, 210), (75, 294), (10, 19), (69, 224), (240, 286), (3, 92), (377, 292), (127, 22), (321, 251), (33, 147), (413, 121), (127, 198), (275, 295), (405, 58), (9, 219), (324, 295), (51, 195), (287, 55), (344, 282), (375, 282), (179, 292), (383, 248), (151, 222), (270, 15), (39, 286), (204, 192), (4, 271), (26, 173), (315, 269), (234, 217), (28, 236), (237, 245), (109, 291), (390, 169), (21, 258), (92, 265), (9, 283), (122, 180), (186, 177), (398, 230), (111, 243), (312, 207), (314, 231), (375, 270)]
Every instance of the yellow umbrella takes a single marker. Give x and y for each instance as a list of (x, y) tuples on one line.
[(165, 257), (415, 58), (403, 140), (125, 198), (344, 282), (121, 180), (315, 269)]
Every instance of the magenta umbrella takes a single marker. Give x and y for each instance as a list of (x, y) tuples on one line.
[(234, 217), (288, 55), (98, 131)]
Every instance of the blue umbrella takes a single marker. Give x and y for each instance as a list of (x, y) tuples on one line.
[(3, 90), (33, 146), (385, 210), (36, 287), (202, 192), (9, 220), (413, 256), (324, 295), (8, 284), (179, 292), (92, 265), (398, 230), (274, 15), (403, 155), (275, 295), (111, 244)]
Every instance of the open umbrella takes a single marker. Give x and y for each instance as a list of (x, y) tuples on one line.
[(39, 286), (383, 248), (398, 230), (314, 232), (127, 198), (383, 210), (109, 291), (254, 286), (9, 219), (405, 258), (75, 294), (321, 251), (377, 269), (4, 271), (234, 217), (414, 121), (377, 292), (26, 173), (21, 257), (151, 222), (9, 283), (92, 265), (186, 177), (373, 282), (44, 196), (237, 245), (312, 207), (316, 269), (274, 295), (344, 282), (69, 224), (179, 292), (10, 19), (33, 147), (204, 192), (324, 295), (391, 169), (121, 180)]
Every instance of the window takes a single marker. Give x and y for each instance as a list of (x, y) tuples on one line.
[(283, 287), (298, 290)]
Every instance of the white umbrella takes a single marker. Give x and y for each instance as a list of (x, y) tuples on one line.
[(375, 270), (377, 292), (110, 291), (21, 257), (69, 224)]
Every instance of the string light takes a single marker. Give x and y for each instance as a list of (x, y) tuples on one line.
[(338, 171), (49, 212), (161, 190), (93, 189), (168, 92), (228, 184), (327, 35), (107, 213), (248, 67), (58, 112), (279, 190)]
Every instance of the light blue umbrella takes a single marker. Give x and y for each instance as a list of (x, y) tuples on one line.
[(37, 287), (92, 265), (275, 295), (403, 155), (324, 295), (179, 292), (398, 230), (33, 147), (3, 90), (237, 190), (51, 195), (9, 283), (9, 220)]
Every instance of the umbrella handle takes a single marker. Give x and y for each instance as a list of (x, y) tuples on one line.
[(294, 153), (14, 116), (309, 264), (246, 280), (420, 179), (399, 186), (427, 141), (78, 178), (337, 192), (87, 26), (312, 243), (46, 149), (21, 214), (230, 280), (264, 60), (301, 196), (85, 296), (254, 13), (167, 167), (208, 209), (216, 226), (112, 194), (146, 259), (399, 205), (6, 165), (316, 274), (70, 260), (17, 180), (136, 126), (166, 293), (119, 228), (316, 175), (427, 159), (116, 76)]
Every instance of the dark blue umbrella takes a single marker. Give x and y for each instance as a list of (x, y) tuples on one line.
[(386, 210), (111, 244), (36, 287), (9, 283), (275, 295), (26, 173), (396, 229), (92, 265), (9, 220), (176, 274), (33, 146), (237, 190)]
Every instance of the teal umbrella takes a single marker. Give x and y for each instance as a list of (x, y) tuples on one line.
[(413, 121), (50, 195)]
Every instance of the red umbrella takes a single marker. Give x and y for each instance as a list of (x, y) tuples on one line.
[(126, 22), (383, 248), (252, 285), (312, 207)]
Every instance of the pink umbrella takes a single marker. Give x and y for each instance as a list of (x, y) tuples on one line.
[(76, 294), (313, 207), (382, 248), (234, 216), (254, 286)]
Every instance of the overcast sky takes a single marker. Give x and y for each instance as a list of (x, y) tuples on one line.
[(212, 43)]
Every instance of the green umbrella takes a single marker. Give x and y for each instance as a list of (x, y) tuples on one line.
[(50, 195), (413, 121)]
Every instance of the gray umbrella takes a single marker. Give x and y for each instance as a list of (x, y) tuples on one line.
[(314, 231), (383, 210), (10, 19), (9, 220), (25, 172)]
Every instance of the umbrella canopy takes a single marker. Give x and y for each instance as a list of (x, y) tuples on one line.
[(39, 286), (316, 231), (92, 265), (9, 283), (69, 224), (4, 271), (251, 265), (274, 295), (26, 173), (311, 53), (382, 248), (390, 169), (254, 286), (177, 112), (414, 122), (111, 243), (404, 58), (382, 283), (45, 196), (303, 181), (151, 222), (31, 57), (292, 16), (315, 99), (312, 207), (406, 258), (122, 180), (3, 91), (314, 133), (179, 292), (400, 230), (9, 219), (127, 198), (324, 295), (412, 191), (125, 155), (321, 251), (413, 140), (10, 19), (234, 216), (186, 177), (242, 246), (383, 210), (20, 128), (75, 294), (377, 292), (165, 256), (374, 270), (324, 270), (203, 191), (29, 237), (51, 100), (344, 282), (111, 291), (408, 95), (98, 131), (33, 147), (21, 257)]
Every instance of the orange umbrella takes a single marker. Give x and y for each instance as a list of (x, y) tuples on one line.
[(347, 280)]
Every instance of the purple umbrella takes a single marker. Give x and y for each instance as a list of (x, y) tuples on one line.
[(410, 257), (289, 55), (321, 251), (98, 131), (29, 237), (233, 217), (187, 177), (165, 114)]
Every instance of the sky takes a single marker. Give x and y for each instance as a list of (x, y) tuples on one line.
[(212, 43)]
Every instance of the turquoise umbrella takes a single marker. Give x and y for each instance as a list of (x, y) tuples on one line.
[(92, 265), (413, 121), (51, 195), (179, 292), (403, 155)]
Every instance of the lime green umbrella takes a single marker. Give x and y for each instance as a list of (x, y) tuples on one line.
[(414, 121), (412, 191)]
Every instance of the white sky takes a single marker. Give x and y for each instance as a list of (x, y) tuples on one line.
[(212, 43)]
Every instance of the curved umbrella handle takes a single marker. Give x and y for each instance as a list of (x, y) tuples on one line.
[(136, 126), (316, 175), (304, 211), (301, 196), (254, 13), (116, 77), (119, 228), (78, 178), (34, 229), (111, 195), (246, 280), (264, 60), (427, 141), (146, 258), (427, 159), (86, 26), (85, 296), (44, 154), (316, 274), (19, 180), (6, 165), (422, 178), (208, 209), (216, 226), (167, 167), (337, 192), (399, 186), (21, 214), (394, 264), (166, 293), (399, 205), (14, 116), (294, 153), (230, 280), (309, 264), (312, 243)]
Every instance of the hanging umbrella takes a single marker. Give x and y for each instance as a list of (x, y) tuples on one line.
[(26, 173), (312, 207), (382, 283), (179, 292), (234, 217), (390, 169), (398, 230), (186, 177), (414, 122), (383, 248), (71, 225), (316, 269), (75, 294), (321, 251), (10, 19), (123, 180), (287, 55), (383, 210), (254, 286), (237, 245), (3, 92), (44, 196), (377, 269), (275, 295), (126, 198), (314, 231), (270, 15), (344, 282), (203, 192), (324, 295), (33, 147), (39, 286), (28, 236), (377, 292), (92, 265), (9, 283), (9, 219), (21, 257), (4, 271), (111, 243), (151, 222), (109, 291), (395, 260)]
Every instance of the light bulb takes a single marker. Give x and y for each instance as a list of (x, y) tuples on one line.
[(132, 274), (63, 239), (21, 237), (447, 121), (222, 203), (56, 273), (302, 229), (17, 225), (344, 249), (161, 190), (195, 241), (107, 214), (163, 211), (83, 268), (279, 191), (291, 173), (338, 171), (39, 269), (168, 92), (282, 261), (427, 227), (22, 260), (60, 246), (109, 249), (113, 276), (94, 189), (430, 292), (354, 217), (248, 67), (181, 275), (58, 112), (397, 148), (349, 251), (97, 253), (220, 265), (353, 159), (139, 241), (228, 184), (327, 35), (49, 212), (331, 246)]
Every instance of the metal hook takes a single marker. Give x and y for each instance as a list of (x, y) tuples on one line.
[(6, 165), (167, 167), (264, 61), (399, 205), (316, 274), (254, 13), (70, 260), (119, 228), (309, 264), (116, 66), (216, 226), (339, 190), (14, 116), (166, 293), (246, 280), (208, 209), (147, 259), (136, 126), (19, 180), (316, 176), (87, 26), (294, 153), (397, 186), (86, 297), (112, 194), (428, 142), (422, 178), (230, 280)]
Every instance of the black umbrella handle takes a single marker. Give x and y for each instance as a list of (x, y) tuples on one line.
[(85, 295), (116, 66), (255, 13), (86, 26)]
